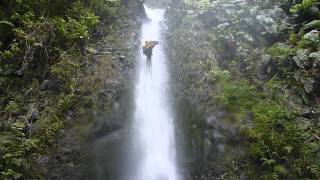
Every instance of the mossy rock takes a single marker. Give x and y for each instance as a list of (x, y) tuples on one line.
[(312, 25)]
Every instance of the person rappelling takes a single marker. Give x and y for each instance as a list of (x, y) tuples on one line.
[(147, 48)]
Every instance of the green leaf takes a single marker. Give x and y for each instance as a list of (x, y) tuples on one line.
[(18, 125), (281, 170), (9, 173), (268, 162), (17, 161), (7, 156), (288, 149)]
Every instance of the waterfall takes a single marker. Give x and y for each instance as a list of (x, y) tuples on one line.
[(153, 125)]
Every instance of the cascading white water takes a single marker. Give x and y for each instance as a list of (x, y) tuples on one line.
[(153, 120)]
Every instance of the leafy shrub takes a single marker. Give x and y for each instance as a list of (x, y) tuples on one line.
[(14, 147), (305, 44), (105, 9), (304, 7), (236, 96), (280, 50), (293, 38), (40, 44), (278, 142), (12, 107), (71, 29)]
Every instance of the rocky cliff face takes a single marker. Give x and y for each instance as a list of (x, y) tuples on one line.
[(237, 31), (96, 130), (231, 39), (135, 8)]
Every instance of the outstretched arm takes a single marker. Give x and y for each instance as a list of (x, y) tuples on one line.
[(154, 43)]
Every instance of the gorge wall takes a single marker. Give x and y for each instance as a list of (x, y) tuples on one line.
[(244, 97)]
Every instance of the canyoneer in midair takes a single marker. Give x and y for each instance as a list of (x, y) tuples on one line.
[(147, 48)]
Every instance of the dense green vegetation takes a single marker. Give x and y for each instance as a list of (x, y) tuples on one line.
[(283, 142), (279, 140), (42, 49)]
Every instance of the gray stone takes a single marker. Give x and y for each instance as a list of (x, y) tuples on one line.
[(247, 37), (297, 75), (315, 57), (302, 59), (266, 58), (266, 69), (308, 84), (267, 18), (223, 25), (254, 11)]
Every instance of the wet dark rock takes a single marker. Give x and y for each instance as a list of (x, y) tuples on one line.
[(310, 114), (105, 130), (111, 88)]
